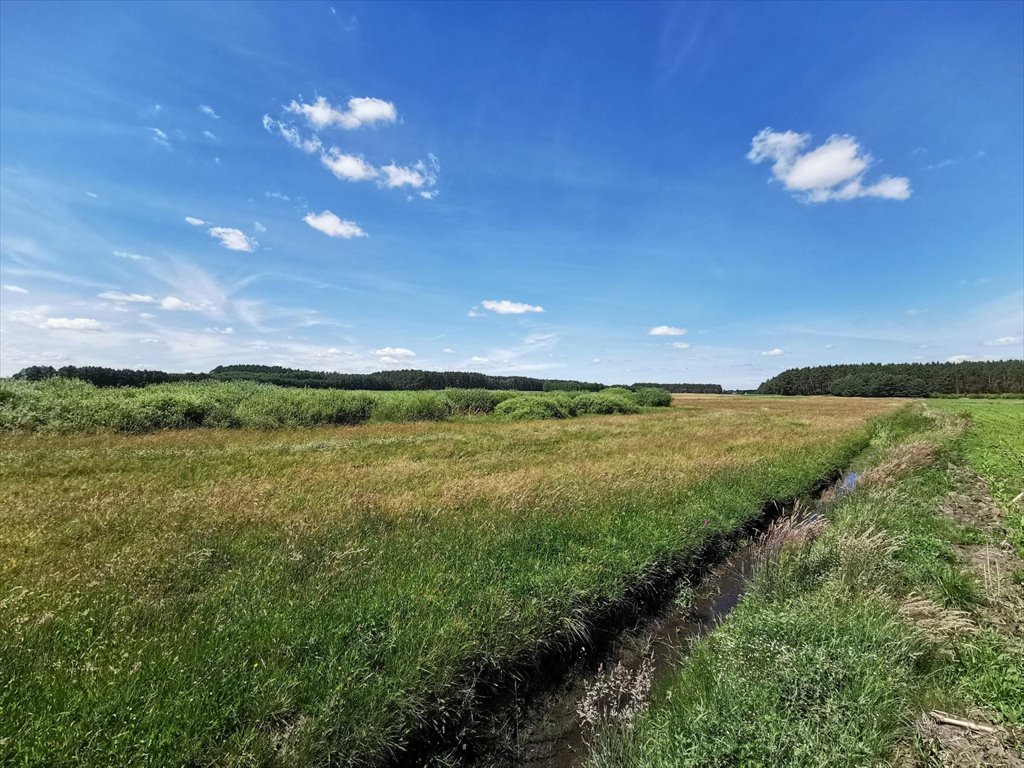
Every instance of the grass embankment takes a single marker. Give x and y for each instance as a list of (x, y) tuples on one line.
[(69, 405), (845, 639), (238, 597)]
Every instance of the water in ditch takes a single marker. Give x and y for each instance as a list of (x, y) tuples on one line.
[(554, 734)]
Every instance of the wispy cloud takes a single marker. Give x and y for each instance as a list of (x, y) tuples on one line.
[(679, 345), (161, 138), (1004, 341), (194, 221), (333, 226), (208, 111), (233, 239), (133, 298), (15, 289), (666, 330), (131, 256), (773, 352), (832, 171), (291, 134), (506, 307)]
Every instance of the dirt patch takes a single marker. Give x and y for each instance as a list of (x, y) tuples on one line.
[(993, 563), (943, 744)]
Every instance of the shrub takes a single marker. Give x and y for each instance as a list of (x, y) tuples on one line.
[(473, 402), (527, 407), (652, 397), (411, 406), (601, 402)]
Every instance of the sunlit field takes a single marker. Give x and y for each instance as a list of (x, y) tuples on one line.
[(237, 596)]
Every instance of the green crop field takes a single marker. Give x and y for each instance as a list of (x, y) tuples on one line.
[(300, 596)]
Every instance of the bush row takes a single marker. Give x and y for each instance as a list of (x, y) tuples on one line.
[(68, 405)]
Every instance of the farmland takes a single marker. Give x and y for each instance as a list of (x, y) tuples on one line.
[(250, 596)]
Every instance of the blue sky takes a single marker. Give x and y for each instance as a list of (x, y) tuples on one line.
[(612, 192)]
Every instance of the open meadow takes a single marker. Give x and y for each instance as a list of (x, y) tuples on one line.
[(292, 596)]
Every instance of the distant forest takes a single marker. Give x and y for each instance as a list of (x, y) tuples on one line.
[(900, 379), (291, 377)]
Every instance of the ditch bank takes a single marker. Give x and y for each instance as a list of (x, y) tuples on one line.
[(528, 711)]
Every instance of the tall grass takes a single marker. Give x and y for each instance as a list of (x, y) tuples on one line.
[(70, 405), (307, 597)]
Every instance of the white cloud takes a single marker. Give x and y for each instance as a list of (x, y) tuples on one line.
[(233, 239), (331, 225), (679, 345), (477, 359), (596, 360), (773, 352), (419, 175), (211, 135), (963, 359), (131, 256), (394, 352), (292, 136), (833, 171), (666, 330), (174, 304), (257, 227), (206, 110), (506, 307), (1002, 341), (193, 221), (72, 324), (348, 167), (15, 289), (223, 331), (92, 194), (277, 196), (161, 138), (361, 112), (429, 194), (448, 351), (134, 298)]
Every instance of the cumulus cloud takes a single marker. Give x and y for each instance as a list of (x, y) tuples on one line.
[(134, 298), (394, 352), (331, 225), (963, 359), (666, 330), (506, 307), (84, 324), (773, 352), (208, 111), (832, 171), (292, 136), (193, 221), (348, 167), (15, 289), (232, 239), (361, 112), (1002, 341)]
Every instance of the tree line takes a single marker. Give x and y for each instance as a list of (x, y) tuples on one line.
[(900, 379), (690, 389), (405, 380)]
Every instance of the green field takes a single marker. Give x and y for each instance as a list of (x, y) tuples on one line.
[(903, 605), (298, 596)]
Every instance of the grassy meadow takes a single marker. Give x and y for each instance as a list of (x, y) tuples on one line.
[(904, 603), (297, 596)]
